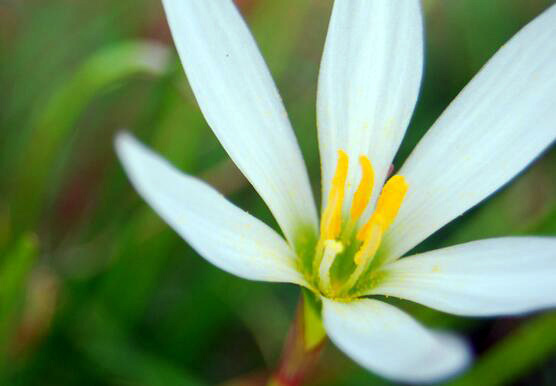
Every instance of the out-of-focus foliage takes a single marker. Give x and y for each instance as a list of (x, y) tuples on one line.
[(96, 290)]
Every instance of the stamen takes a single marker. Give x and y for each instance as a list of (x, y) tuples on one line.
[(364, 256), (388, 205), (368, 239), (363, 194), (332, 217), (331, 249), (370, 245)]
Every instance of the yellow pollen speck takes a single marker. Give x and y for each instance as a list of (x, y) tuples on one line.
[(363, 194), (332, 216)]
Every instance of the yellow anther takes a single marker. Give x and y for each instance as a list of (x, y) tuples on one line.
[(387, 207), (363, 194), (331, 222)]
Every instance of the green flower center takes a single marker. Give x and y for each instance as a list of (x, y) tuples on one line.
[(344, 261)]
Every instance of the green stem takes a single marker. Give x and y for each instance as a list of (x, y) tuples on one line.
[(303, 346)]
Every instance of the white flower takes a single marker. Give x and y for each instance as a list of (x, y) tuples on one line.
[(368, 86)]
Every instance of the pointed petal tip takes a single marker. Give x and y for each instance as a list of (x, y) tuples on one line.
[(222, 233), (123, 141)]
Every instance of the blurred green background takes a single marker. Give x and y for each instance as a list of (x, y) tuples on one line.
[(96, 290)]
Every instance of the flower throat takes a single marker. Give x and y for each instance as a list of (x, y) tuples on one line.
[(342, 238)]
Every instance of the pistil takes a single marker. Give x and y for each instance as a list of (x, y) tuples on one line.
[(331, 249)]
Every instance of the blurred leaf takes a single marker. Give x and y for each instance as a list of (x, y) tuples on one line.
[(52, 126), (143, 241), (547, 225), (108, 346), (522, 351), (286, 16), (5, 225), (14, 271), (250, 302), (141, 257)]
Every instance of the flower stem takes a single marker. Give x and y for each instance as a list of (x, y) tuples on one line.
[(303, 346)]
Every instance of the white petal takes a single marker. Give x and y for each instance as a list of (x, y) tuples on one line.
[(498, 124), (368, 85), (222, 233), (387, 341), (240, 102), (481, 278)]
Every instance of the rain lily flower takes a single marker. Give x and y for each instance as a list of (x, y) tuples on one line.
[(368, 85)]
